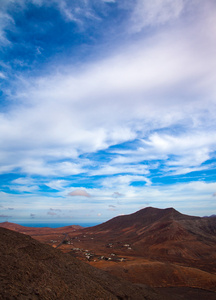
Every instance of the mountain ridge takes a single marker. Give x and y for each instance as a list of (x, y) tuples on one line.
[(180, 248)]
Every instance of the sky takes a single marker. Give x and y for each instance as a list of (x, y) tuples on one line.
[(106, 107)]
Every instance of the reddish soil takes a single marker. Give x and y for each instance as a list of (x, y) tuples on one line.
[(30, 270), (157, 247)]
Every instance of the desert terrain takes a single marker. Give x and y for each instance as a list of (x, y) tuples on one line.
[(32, 270), (161, 248)]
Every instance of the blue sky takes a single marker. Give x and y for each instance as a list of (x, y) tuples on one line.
[(106, 107)]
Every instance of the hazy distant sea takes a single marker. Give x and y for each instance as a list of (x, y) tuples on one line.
[(56, 225)]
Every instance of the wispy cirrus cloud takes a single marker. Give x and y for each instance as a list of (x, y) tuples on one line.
[(59, 184), (124, 181), (180, 154), (24, 185), (156, 12)]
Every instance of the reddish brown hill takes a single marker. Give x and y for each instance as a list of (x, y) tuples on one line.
[(145, 218), (159, 247), (47, 235), (139, 219), (161, 234), (31, 270), (14, 226), (39, 230)]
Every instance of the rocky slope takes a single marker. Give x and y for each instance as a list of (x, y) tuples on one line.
[(31, 270)]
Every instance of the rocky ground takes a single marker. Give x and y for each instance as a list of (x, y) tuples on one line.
[(31, 270), (161, 248)]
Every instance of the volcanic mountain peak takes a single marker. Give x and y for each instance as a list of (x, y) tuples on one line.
[(142, 218), (157, 213), (151, 229)]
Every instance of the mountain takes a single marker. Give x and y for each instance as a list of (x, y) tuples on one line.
[(158, 247), (161, 234), (31, 270), (149, 216)]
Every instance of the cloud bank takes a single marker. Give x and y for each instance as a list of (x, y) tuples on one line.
[(117, 115)]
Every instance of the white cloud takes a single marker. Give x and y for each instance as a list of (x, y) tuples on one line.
[(123, 181), (22, 188), (141, 82), (2, 75), (155, 12), (24, 185), (110, 169), (117, 194), (187, 152), (58, 184), (181, 153), (46, 168), (197, 195), (5, 21), (159, 91), (78, 192), (23, 181), (134, 81)]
